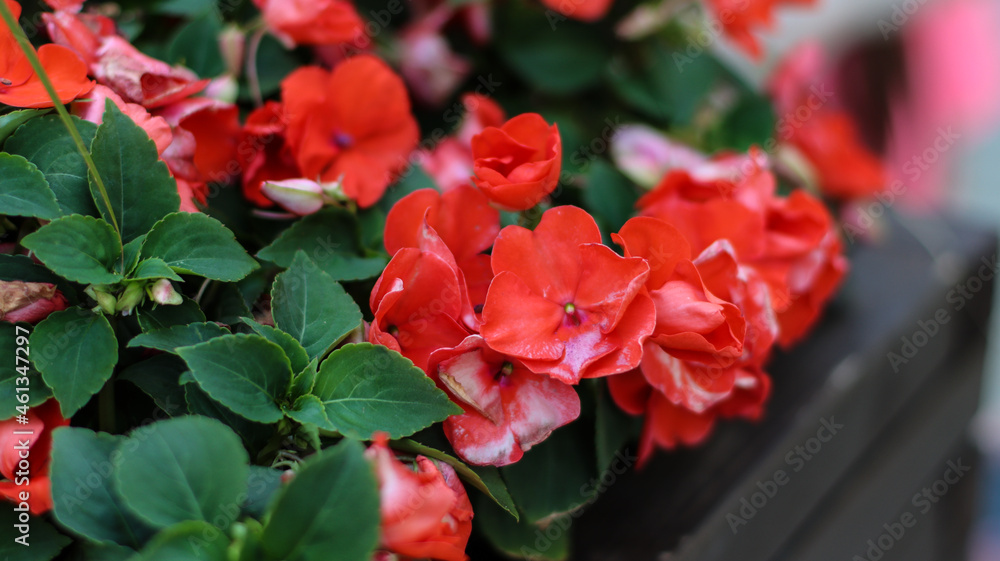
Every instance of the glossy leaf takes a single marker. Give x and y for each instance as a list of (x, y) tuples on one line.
[(24, 191), (80, 248)]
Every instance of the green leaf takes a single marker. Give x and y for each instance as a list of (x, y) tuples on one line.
[(140, 186), (332, 504), (152, 317), (751, 122), (196, 45), (154, 268), (171, 338), (609, 196), (187, 468), (197, 244), (46, 143), (554, 57), (304, 382), (485, 478), (227, 305), (251, 386), (9, 374), (330, 238), (23, 268), (613, 429), (89, 551), (85, 501), (42, 540), (293, 350), (191, 540), (311, 307), (130, 256), (11, 121), (367, 388), (254, 435), (664, 83), (76, 351), (80, 248), (554, 477), (262, 485), (159, 378), (24, 191), (520, 540)]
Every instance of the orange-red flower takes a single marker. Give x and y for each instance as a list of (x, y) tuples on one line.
[(508, 408), (462, 218), (142, 79), (583, 10), (92, 109), (263, 153), (353, 123), (563, 303), (81, 32), (21, 87), (42, 420), (517, 165), (312, 22), (741, 18), (426, 513), (450, 162)]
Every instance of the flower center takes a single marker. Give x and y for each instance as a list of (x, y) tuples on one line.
[(503, 375), (393, 330), (342, 140), (572, 315)]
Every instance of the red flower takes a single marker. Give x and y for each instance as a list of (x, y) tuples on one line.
[(21, 87), (583, 10), (215, 127), (354, 122), (804, 263), (564, 304), (739, 18), (42, 420), (426, 513), (93, 110), (29, 302), (517, 165), (312, 22), (845, 168), (420, 302), (450, 162), (462, 218), (142, 79), (508, 408), (82, 33), (263, 153)]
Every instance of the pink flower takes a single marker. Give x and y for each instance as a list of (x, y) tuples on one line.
[(29, 302)]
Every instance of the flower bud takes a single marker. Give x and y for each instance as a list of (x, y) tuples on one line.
[(105, 301), (300, 196), (162, 292), (132, 297)]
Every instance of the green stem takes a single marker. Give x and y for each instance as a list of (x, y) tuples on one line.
[(36, 65)]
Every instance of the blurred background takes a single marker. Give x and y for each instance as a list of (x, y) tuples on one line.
[(912, 71)]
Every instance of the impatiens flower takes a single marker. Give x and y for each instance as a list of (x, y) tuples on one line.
[(29, 302), (645, 155), (563, 303), (142, 79), (740, 19), (42, 420), (352, 124), (828, 138), (312, 22), (463, 219), (21, 87), (93, 110), (430, 67), (450, 162), (420, 304), (426, 513), (81, 32), (508, 408), (517, 165), (263, 154), (68, 5), (583, 10)]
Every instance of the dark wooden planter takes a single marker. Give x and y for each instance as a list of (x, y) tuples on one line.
[(852, 435)]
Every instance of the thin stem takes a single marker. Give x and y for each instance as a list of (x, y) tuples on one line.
[(253, 78), (36, 65)]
